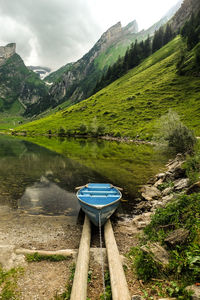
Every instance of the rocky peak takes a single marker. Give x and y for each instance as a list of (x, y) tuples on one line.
[(6, 52), (132, 27), (112, 34), (183, 14)]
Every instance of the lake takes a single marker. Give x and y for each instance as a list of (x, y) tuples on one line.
[(38, 175)]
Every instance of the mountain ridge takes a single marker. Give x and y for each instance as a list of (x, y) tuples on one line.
[(78, 82), (132, 105)]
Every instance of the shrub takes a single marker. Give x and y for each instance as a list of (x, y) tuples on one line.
[(83, 129), (175, 133), (182, 139), (100, 130)]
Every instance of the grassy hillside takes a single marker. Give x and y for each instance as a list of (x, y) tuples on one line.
[(132, 105)]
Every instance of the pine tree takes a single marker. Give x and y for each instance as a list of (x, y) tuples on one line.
[(147, 47), (158, 39), (168, 35)]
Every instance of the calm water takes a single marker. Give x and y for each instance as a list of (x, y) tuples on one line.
[(38, 175)]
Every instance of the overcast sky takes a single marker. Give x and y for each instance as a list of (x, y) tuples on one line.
[(54, 32)]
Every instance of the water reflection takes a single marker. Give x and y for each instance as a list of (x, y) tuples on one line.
[(38, 181), (38, 175), (46, 197)]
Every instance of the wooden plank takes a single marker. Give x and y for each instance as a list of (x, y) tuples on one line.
[(118, 280), (64, 252), (79, 288)]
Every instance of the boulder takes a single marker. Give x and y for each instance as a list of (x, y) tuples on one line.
[(158, 182), (169, 176), (167, 199), (150, 192), (160, 255), (181, 184), (167, 191), (195, 188), (144, 205), (178, 236), (195, 289), (143, 220), (160, 176)]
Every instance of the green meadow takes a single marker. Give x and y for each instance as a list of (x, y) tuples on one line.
[(132, 105)]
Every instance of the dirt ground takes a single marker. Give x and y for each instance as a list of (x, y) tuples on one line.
[(44, 280)]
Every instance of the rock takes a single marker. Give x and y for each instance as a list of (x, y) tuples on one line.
[(158, 204), (175, 167), (143, 220), (195, 188), (181, 184), (159, 182), (167, 199), (150, 192), (169, 176), (160, 255), (167, 191), (136, 297), (178, 236), (160, 176), (144, 205), (196, 291)]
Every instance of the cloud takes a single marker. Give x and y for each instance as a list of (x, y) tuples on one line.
[(48, 32), (55, 32)]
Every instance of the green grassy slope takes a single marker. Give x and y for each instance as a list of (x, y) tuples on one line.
[(132, 105)]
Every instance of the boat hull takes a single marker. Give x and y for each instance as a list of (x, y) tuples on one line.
[(104, 212)]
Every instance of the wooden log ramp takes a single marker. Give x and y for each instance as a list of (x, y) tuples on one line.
[(118, 281), (79, 288)]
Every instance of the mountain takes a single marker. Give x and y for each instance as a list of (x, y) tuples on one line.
[(132, 105), (76, 81), (187, 8), (19, 86)]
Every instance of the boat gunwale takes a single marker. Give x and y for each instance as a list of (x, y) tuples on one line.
[(98, 206)]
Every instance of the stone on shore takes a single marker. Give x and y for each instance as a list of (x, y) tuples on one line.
[(195, 188), (195, 291), (143, 220), (178, 236), (160, 255), (181, 184), (150, 192)]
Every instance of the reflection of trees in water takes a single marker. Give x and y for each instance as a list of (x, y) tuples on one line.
[(80, 161)]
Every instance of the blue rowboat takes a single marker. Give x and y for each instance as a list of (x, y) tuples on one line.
[(99, 201)]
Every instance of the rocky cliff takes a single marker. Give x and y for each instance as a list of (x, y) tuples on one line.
[(184, 13), (77, 80), (6, 52), (17, 83)]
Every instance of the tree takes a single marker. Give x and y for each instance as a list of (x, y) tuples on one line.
[(158, 39), (147, 47), (168, 35)]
